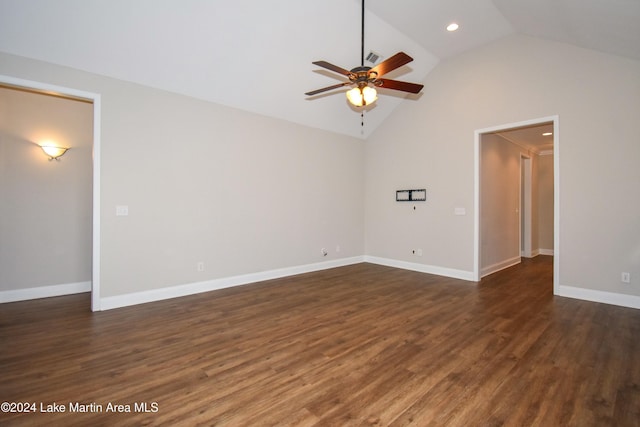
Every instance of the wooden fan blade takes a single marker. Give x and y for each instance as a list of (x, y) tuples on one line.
[(396, 61), (324, 89), (398, 85), (325, 64)]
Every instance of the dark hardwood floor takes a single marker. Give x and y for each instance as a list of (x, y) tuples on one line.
[(358, 345)]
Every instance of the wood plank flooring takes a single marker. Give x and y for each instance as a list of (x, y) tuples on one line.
[(352, 346)]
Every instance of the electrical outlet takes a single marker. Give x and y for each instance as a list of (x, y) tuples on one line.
[(324, 252), (200, 266), (626, 277)]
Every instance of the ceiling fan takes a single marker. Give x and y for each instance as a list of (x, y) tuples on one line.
[(366, 79)]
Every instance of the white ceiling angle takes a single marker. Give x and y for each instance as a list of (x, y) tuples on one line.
[(258, 56)]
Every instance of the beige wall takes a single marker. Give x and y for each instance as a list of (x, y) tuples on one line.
[(499, 203), (246, 193), (431, 142), (45, 208), (240, 192)]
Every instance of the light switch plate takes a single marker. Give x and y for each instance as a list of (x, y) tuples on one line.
[(122, 210)]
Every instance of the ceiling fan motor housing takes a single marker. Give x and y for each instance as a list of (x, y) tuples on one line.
[(361, 76)]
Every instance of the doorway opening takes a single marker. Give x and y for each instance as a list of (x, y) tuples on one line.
[(526, 152), (94, 99)]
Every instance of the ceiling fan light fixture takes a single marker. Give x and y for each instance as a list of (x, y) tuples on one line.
[(370, 95), (355, 97), (365, 78), (362, 96)]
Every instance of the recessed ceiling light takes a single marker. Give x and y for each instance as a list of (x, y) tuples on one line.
[(452, 27), (547, 134)]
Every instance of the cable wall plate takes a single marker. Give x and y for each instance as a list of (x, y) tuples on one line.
[(411, 195)]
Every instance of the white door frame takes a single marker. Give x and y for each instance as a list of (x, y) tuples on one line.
[(525, 206), (95, 99), (556, 193)]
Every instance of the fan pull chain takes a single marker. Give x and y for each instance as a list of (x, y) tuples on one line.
[(362, 118)]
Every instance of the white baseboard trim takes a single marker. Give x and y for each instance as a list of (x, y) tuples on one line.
[(623, 300), (135, 298), (500, 266), (537, 252), (422, 268), (44, 292)]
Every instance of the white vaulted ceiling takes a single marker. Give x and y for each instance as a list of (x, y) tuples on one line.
[(256, 55)]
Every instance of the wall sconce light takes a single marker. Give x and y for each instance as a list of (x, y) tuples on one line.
[(53, 152)]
